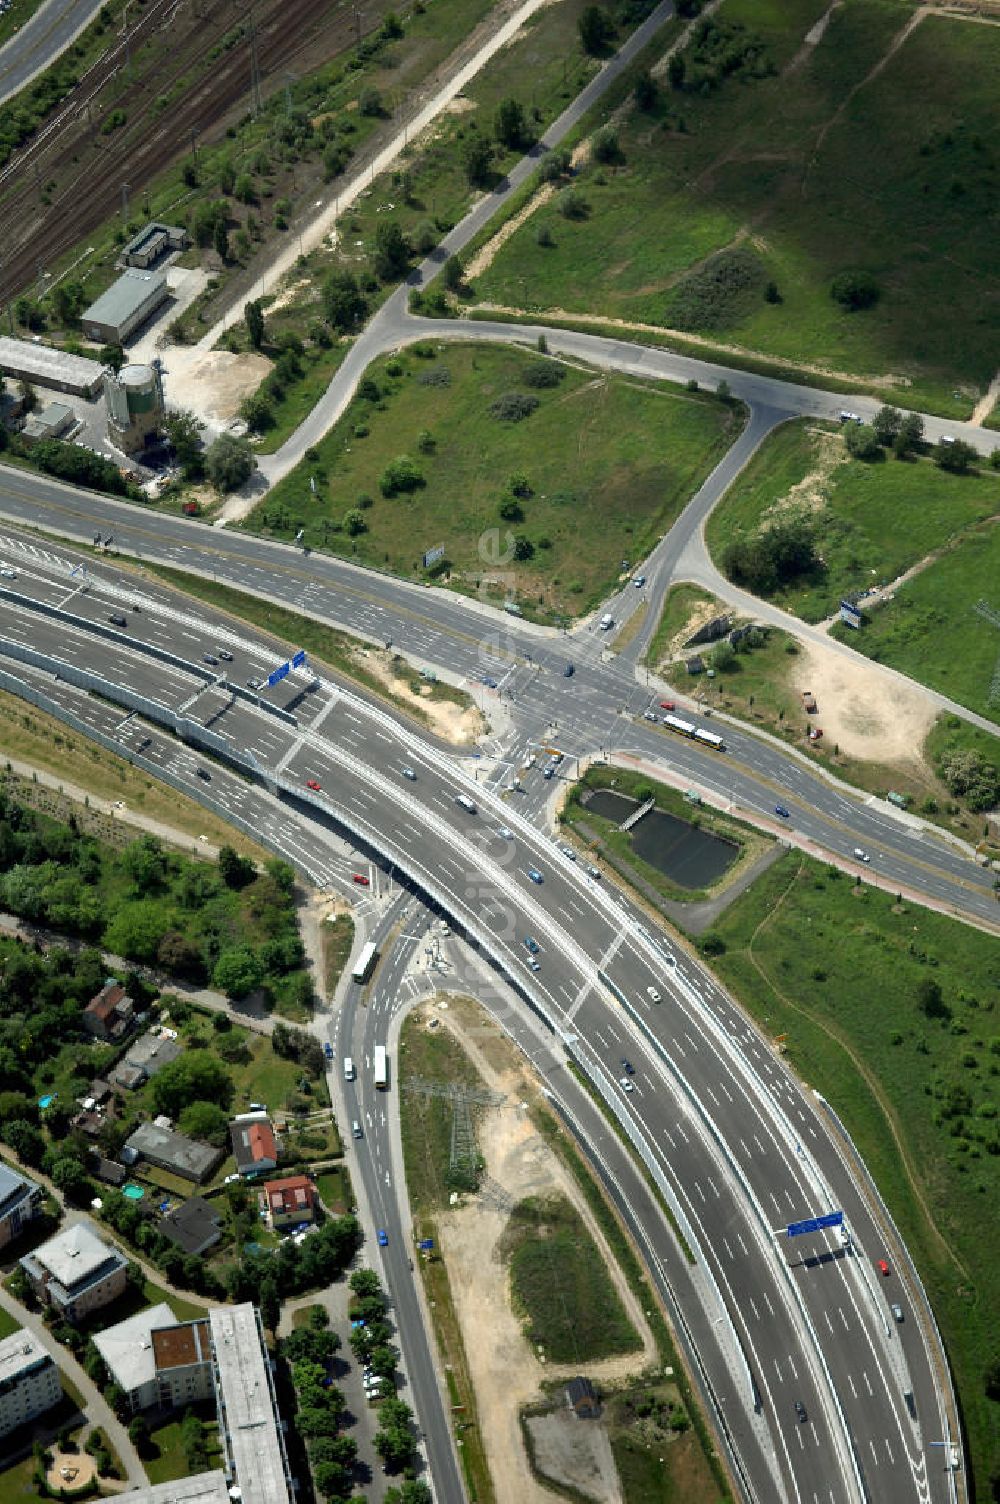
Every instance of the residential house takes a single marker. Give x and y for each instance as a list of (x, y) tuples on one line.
[(290, 1200), (29, 1381), (194, 1226), (109, 1171), (255, 1145), (109, 1015), (76, 1272), (20, 1203), (148, 1055), (171, 1151)]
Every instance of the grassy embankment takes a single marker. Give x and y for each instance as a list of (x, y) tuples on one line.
[(606, 466), (794, 209)]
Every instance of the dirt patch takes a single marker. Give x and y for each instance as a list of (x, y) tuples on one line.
[(461, 724), (576, 1453), (73, 1472), (867, 714), (811, 493), (484, 257), (212, 383), (813, 37), (506, 1372), (460, 105)]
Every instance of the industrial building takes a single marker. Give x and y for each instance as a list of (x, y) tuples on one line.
[(125, 306), (29, 1381), (153, 241), (43, 365), (199, 1488), (135, 406), (54, 421)]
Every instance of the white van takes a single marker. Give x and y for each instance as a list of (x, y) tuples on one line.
[(348, 1068), (466, 803)]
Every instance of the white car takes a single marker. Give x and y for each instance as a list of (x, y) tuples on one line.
[(8, 574), (862, 856), (626, 1084), (653, 995)]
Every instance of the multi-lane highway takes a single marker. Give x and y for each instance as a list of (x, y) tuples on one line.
[(731, 1141)]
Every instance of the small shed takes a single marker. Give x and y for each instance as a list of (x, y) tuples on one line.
[(582, 1399), (695, 664)]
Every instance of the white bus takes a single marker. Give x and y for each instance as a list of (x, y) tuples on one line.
[(381, 1068), (674, 723), (710, 739), (364, 964)]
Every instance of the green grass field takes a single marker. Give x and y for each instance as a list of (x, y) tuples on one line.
[(811, 172), (426, 1121), (837, 969), (931, 629), (871, 521), (609, 464), (561, 1286)]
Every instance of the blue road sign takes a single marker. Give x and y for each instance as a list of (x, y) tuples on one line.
[(426, 1243), (299, 658), (813, 1224), (277, 674)]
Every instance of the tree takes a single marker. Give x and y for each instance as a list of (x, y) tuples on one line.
[(144, 863), (236, 871), (195, 1076), (205, 1121), (453, 272), (354, 523), (269, 1301), (394, 1439), (229, 463), (511, 125), (478, 160), (136, 929), (957, 456), (392, 250), (400, 474), (676, 70), (139, 1434), (596, 30), (930, 999), (220, 239), (253, 314), (112, 356), (257, 412), (365, 1282), (887, 423), (909, 437), (855, 290), (647, 90), (68, 1175), (862, 442), (343, 301), (238, 971), (510, 509), (184, 431), (370, 101), (25, 1139)]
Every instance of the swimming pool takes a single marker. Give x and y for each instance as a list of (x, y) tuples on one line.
[(133, 1192)]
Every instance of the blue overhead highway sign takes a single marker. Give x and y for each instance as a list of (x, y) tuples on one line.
[(299, 658), (281, 672), (813, 1224)]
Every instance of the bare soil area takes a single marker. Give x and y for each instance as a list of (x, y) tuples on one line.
[(462, 725), (505, 1371), (868, 715)]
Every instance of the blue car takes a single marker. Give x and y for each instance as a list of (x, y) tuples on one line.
[(779, 809), (383, 1238), (328, 1050), (535, 875)]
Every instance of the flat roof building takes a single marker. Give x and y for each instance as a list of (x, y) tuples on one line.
[(199, 1488), (125, 306), (53, 421), (173, 1152), (43, 365), (253, 1445), (152, 242), (127, 1350), (183, 1355), (20, 1203), (29, 1381), (76, 1271)]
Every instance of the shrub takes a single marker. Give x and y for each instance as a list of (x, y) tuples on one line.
[(718, 293), (606, 147), (572, 205), (543, 373), (512, 407), (855, 290), (401, 475)]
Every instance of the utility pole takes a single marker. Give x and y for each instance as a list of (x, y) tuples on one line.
[(125, 189)]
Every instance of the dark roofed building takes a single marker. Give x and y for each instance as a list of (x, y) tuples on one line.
[(109, 1014), (254, 1144), (173, 1152), (582, 1399), (194, 1226), (108, 1170)]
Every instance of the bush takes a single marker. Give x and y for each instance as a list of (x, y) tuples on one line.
[(572, 205), (606, 147), (855, 290), (717, 293), (513, 407), (772, 558), (401, 475), (543, 373), (555, 165)]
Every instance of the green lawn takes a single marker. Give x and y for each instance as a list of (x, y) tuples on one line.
[(426, 1120), (560, 1285), (167, 1460), (8, 1325), (609, 464), (895, 179), (870, 521), (680, 603), (919, 1094), (931, 629), (338, 937)]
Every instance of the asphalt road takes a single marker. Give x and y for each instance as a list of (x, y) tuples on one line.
[(729, 1136), (39, 42)]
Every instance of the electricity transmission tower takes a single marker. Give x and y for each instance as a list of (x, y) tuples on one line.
[(986, 611)]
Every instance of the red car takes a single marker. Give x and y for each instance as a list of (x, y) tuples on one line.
[(362, 882), (883, 1266), (667, 705), (312, 784)]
